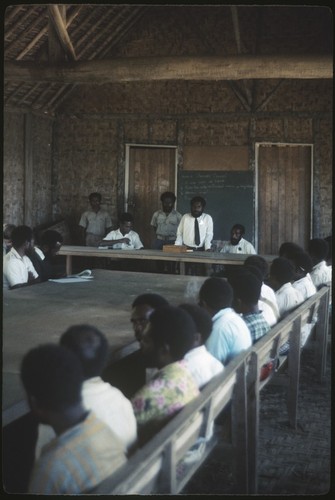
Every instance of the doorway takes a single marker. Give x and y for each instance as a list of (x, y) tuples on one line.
[(284, 195), (150, 170)]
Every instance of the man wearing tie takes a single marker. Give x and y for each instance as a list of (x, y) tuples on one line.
[(195, 229)]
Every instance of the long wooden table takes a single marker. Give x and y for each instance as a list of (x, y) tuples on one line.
[(154, 255), (41, 313)]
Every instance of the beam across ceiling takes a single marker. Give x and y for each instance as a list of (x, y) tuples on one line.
[(173, 68)]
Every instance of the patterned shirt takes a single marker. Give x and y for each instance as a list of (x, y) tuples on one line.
[(257, 325), (78, 459), (166, 224), (165, 394)]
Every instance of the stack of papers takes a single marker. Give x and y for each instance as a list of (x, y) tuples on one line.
[(85, 275)]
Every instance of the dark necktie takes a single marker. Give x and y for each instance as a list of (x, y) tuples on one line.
[(196, 232)]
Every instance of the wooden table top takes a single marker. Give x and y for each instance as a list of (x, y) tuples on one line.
[(41, 313)]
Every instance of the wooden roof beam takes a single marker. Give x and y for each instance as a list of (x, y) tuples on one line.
[(173, 68), (60, 28)]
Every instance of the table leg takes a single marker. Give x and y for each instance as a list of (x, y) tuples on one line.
[(68, 264), (182, 267)]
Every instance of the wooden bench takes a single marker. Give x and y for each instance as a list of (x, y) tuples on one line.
[(156, 467)]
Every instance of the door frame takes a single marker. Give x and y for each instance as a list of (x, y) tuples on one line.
[(281, 144), (129, 145)]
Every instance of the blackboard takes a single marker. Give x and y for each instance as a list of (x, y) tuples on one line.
[(229, 198)]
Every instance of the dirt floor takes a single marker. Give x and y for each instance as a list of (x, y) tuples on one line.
[(291, 462)]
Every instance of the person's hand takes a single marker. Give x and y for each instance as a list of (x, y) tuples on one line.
[(126, 240)]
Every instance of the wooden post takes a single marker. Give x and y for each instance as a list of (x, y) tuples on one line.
[(294, 372)]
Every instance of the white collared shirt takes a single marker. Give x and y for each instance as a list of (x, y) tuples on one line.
[(202, 364), (134, 244), (288, 298), (16, 269), (321, 274), (185, 231), (243, 246), (305, 286)]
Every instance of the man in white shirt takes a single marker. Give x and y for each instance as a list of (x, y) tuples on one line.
[(230, 334), (237, 243), (201, 363), (281, 277), (195, 230), (94, 223), (321, 274), (186, 232), (123, 238), (107, 402), (267, 302), (18, 269)]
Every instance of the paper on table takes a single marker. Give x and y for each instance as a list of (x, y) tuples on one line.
[(85, 275)]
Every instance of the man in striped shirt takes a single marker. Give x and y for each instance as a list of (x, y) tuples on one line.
[(85, 450)]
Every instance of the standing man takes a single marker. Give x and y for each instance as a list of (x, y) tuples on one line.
[(94, 223), (196, 232), (196, 228), (18, 269), (237, 243), (166, 221)]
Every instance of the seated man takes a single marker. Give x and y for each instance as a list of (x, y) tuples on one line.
[(237, 243), (247, 288), (167, 338), (42, 257), (230, 335), (267, 301), (129, 373), (123, 238), (281, 278), (18, 269), (7, 237), (85, 451), (107, 402), (321, 274), (303, 281), (201, 363)]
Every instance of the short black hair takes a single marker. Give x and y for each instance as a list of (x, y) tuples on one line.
[(90, 346), (151, 299), (201, 318), (20, 235), (197, 199), (259, 262), (126, 217), (318, 248), (240, 227), (174, 327), (288, 249), (217, 293), (51, 238), (168, 194), (247, 286), (53, 375), (303, 261), (95, 195), (282, 270)]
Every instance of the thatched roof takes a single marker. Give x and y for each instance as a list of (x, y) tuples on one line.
[(49, 49)]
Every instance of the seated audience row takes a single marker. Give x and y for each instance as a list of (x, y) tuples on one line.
[(26, 264)]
